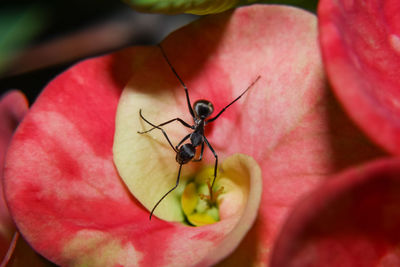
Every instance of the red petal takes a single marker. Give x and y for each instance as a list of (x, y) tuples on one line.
[(360, 42), (352, 220), (13, 107)]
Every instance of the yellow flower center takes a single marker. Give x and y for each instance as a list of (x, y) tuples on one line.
[(199, 201)]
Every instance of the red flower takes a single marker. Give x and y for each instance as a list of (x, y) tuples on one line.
[(69, 201), (352, 219)]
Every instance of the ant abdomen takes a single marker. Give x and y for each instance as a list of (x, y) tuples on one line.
[(185, 153)]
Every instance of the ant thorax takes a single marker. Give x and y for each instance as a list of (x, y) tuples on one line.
[(197, 137), (197, 121)]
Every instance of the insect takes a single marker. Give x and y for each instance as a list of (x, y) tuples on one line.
[(200, 112)]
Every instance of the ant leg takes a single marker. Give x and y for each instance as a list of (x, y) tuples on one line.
[(183, 140), (215, 166), (214, 118), (180, 80), (166, 194), (155, 126), (164, 123), (201, 153)]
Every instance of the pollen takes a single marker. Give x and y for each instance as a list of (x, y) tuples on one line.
[(199, 202)]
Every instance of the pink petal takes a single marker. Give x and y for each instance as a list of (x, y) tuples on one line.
[(72, 118), (13, 107), (13, 249), (360, 42), (351, 220)]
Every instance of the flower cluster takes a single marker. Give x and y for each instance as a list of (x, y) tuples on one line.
[(308, 159)]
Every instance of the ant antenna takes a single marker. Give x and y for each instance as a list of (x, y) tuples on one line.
[(216, 116), (180, 80)]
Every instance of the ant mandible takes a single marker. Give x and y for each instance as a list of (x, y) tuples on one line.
[(201, 111)]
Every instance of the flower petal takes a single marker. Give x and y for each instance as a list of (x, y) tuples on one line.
[(13, 248), (59, 177), (351, 220), (13, 106), (224, 57), (360, 42)]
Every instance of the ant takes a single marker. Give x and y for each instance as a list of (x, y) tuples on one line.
[(201, 111)]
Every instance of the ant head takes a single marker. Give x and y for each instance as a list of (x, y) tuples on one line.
[(203, 109)]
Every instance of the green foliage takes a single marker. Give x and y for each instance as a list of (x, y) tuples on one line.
[(203, 7), (18, 26), (198, 7), (310, 5)]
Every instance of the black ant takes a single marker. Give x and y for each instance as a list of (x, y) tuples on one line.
[(201, 111)]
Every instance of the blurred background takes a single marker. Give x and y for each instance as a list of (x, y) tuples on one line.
[(40, 39)]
